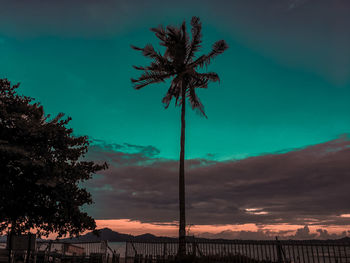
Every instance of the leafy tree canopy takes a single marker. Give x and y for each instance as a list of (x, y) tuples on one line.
[(41, 167)]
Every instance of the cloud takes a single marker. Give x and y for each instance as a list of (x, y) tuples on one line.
[(303, 233), (122, 154), (323, 234), (302, 186)]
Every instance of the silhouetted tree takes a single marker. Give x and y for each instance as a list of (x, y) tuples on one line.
[(180, 64), (40, 169)]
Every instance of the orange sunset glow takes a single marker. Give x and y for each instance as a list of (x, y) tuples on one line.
[(170, 229)]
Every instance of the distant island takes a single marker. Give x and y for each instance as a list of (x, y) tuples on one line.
[(113, 236)]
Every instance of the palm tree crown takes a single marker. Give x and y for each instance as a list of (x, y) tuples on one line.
[(179, 63)]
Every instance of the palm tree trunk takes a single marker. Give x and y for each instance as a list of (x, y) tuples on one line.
[(182, 228)]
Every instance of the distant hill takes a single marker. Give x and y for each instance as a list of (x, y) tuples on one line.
[(104, 234), (112, 236)]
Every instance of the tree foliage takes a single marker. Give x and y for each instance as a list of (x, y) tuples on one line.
[(41, 167)]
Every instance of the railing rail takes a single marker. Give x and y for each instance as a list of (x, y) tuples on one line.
[(242, 251)]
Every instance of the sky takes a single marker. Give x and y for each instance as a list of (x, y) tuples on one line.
[(272, 155)]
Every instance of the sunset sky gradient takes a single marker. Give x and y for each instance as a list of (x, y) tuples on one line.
[(273, 154)]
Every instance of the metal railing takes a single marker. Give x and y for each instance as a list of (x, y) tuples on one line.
[(246, 251)]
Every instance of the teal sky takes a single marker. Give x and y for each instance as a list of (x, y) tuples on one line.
[(281, 88)]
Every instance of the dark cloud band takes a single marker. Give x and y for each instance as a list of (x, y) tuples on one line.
[(303, 186)]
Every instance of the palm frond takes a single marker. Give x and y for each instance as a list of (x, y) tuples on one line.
[(202, 84), (211, 76), (160, 33), (196, 38), (199, 81), (144, 83), (184, 35), (149, 51), (136, 48), (139, 67), (172, 32), (158, 67), (218, 48), (149, 77), (195, 102), (167, 99), (173, 92)]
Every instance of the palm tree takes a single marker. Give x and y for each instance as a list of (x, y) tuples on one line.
[(179, 64)]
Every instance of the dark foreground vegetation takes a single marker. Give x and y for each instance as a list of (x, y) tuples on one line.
[(41, 168)]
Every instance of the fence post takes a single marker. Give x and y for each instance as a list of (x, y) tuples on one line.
[(126, 251), (29, 247), (9, 244), (165, 249), (279, 251), (194, 249)]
